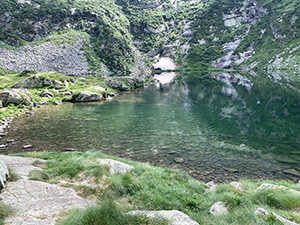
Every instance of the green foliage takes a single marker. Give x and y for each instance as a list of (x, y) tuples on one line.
[(5, 211), (39, 175), (107, 213)]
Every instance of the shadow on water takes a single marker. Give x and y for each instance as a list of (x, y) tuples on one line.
[(221, 127)]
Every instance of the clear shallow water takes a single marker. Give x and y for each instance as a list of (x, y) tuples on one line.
[(214, 130)]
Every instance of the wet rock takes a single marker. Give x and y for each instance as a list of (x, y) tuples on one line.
[(15, 96), (173, 217), (219, 208), (85, 96), (292, 172), (231, 170), (27, 146), (115, 166), (178, 160)]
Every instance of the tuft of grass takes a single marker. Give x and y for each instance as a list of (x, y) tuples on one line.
[(106, 213), (12, 175), (5, 211), (39, 175)]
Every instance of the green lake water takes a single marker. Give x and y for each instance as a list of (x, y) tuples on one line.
[(214, 129)]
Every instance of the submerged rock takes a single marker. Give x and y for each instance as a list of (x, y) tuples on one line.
[(173, 217)]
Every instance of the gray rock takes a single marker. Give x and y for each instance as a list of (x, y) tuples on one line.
[(3, 174), (115, 166), (31, 82), (47, 94), (47, 82), (272, 186), (211, 185), (173, 217), (58, 84), (219, 208), (35, 202), (84, 80), (237, 185), (85, 96), (15, 96), (262, 212)]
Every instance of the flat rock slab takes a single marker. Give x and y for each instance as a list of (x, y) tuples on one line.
[(36, 202), (272, 186), (174, 217), (20, 165)]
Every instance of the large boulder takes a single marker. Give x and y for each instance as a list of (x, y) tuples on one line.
[(15, 96), (173, 217), (219, 208), (31, 82), (85, 96)]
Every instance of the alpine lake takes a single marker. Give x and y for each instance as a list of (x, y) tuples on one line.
[(221, 129)]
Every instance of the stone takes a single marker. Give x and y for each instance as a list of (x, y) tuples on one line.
[(292, 172), (47, 82), (84, 80), (15, 96), (173, 217), (3, 174), (237, 185), (178, 160), (211, 185), (47, 94), (115, 166), (231, 170), (219, 208), (27, 146), (69, 149), (2, 146), (30, 82), (36, 202), (261, 212), (85, 96), (268, 185), (58, 84), (56, 103)]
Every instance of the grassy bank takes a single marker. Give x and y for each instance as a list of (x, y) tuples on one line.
[(154, 188)]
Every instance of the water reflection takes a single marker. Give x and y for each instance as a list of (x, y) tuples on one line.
[(218, 129)]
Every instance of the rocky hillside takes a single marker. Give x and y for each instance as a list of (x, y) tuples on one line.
[(122, 37)]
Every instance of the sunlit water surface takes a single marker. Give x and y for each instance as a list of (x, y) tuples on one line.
[(215, 130)]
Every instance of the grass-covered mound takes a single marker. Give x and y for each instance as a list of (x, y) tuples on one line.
[(154, 188)]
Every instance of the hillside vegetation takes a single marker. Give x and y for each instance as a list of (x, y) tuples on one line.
[(256, 37)]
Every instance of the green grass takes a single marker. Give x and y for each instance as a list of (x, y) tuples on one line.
[(155, 188), (5, 211)]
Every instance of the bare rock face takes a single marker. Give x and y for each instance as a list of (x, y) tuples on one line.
[(86, 96), (173, 217), (36, 202), (116, 166), (15, 96), (30, 82)]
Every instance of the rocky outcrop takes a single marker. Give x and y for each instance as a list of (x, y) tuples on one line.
[(47, 94), (85, 96), (115, 166), (273, 186), (15, 96), (35, 202), (173, 217)]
